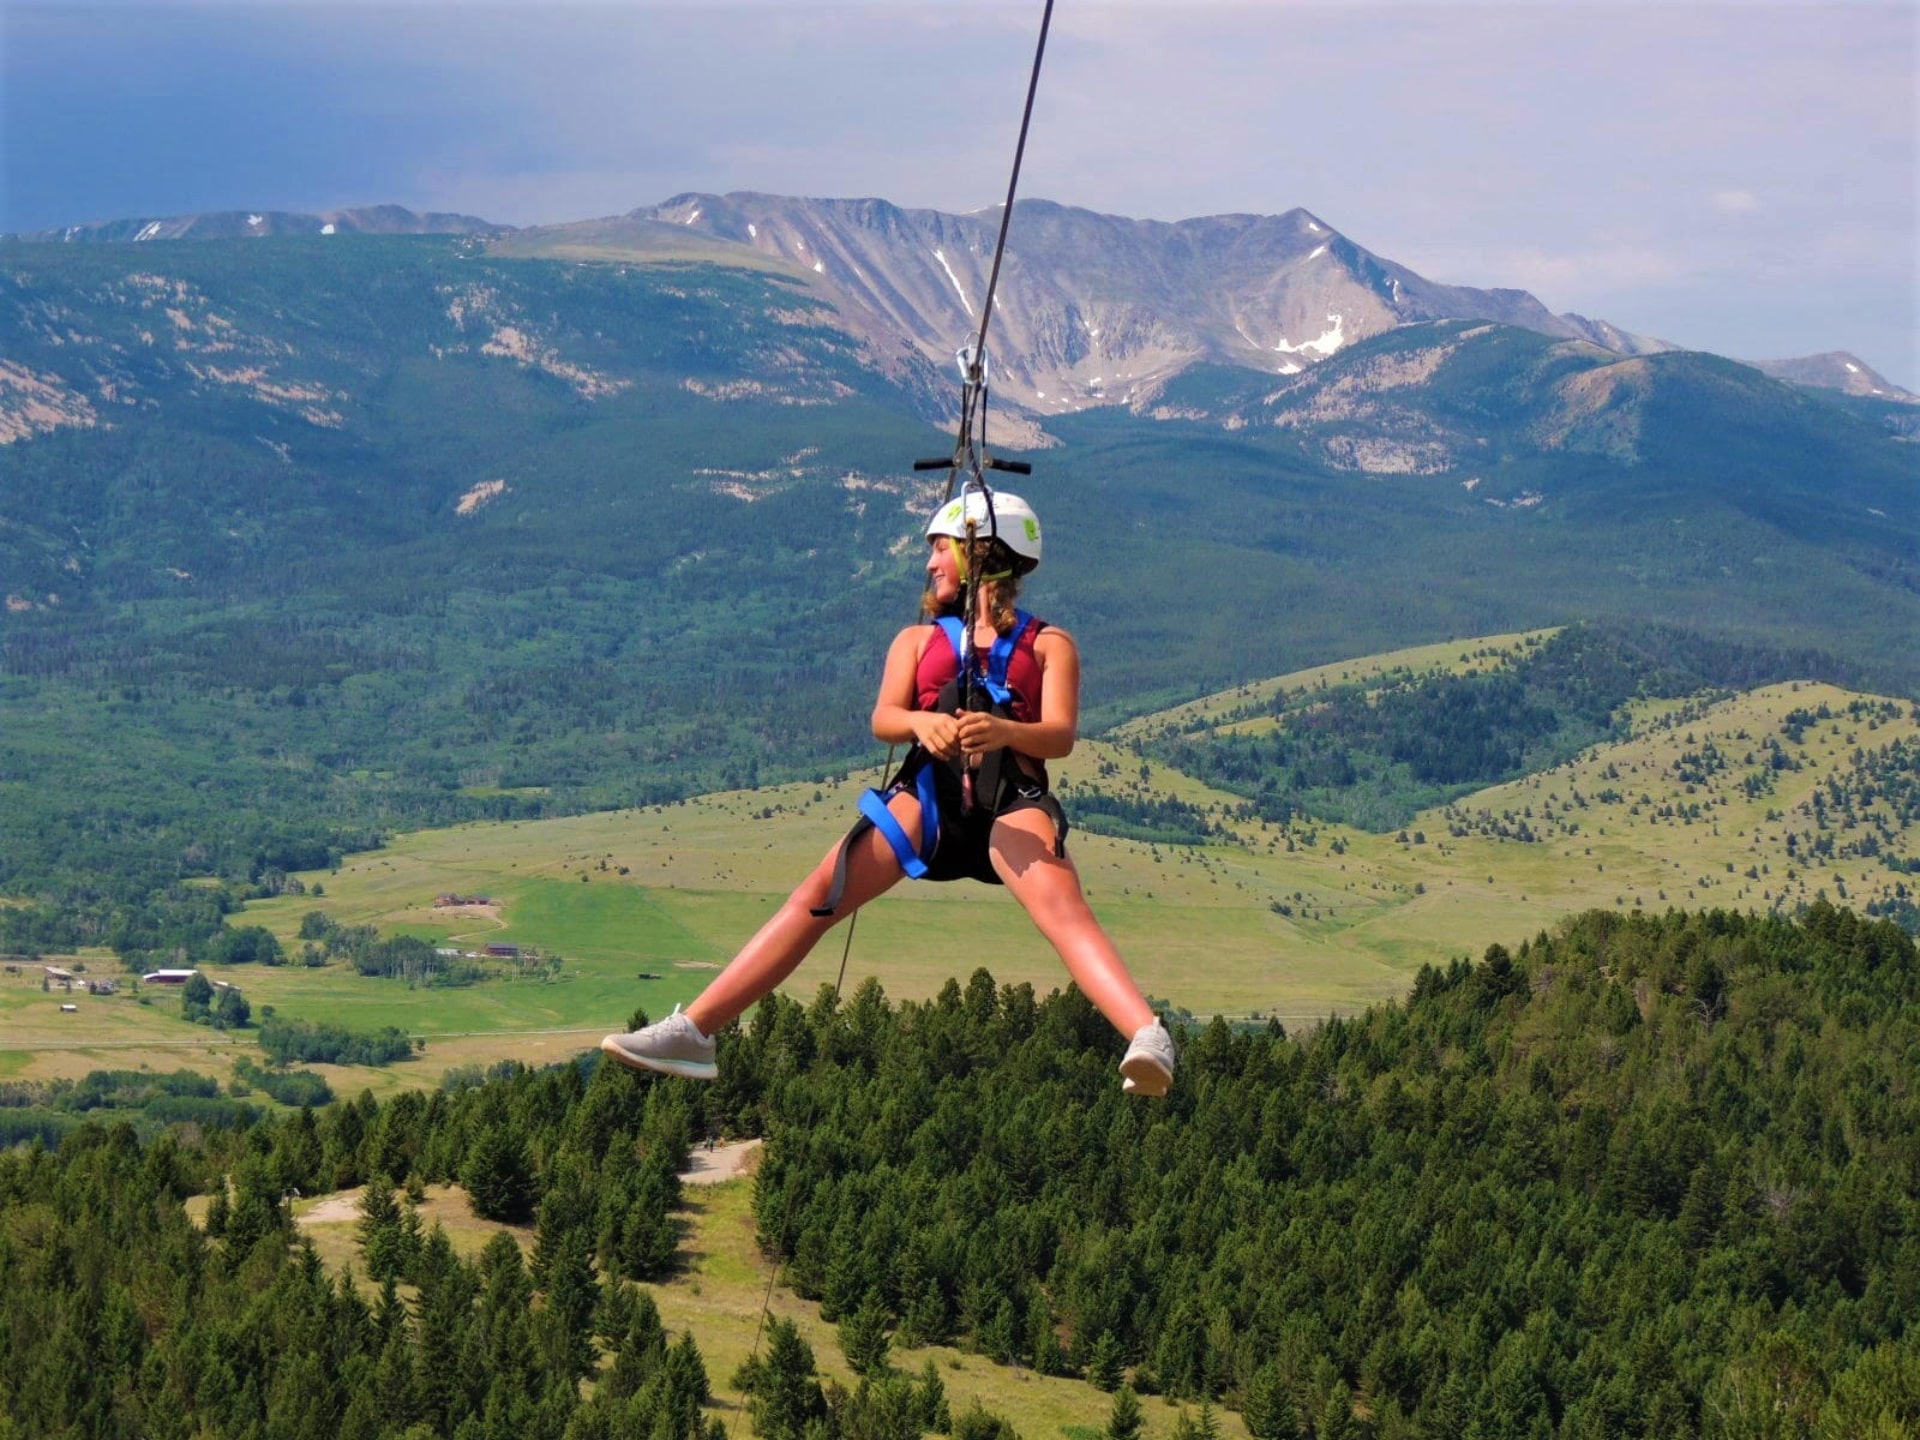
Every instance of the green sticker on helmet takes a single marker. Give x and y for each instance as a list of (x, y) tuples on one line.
[(1033, 529)]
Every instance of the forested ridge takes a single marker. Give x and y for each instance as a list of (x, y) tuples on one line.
[(1375, 755), (1642, 1176)]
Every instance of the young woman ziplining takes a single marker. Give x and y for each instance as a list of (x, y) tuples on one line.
[(970, 800)]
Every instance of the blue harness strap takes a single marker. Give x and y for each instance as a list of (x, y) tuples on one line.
[(874, 815), (873, 805), (999, 658)]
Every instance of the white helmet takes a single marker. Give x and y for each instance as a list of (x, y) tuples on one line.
[(1011, 520)]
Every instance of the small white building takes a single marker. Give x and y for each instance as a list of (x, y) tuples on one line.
[(167, 977)]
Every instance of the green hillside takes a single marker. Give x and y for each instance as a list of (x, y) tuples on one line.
[(1763, 800)]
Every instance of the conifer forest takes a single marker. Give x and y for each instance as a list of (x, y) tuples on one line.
[(1634, 1177)]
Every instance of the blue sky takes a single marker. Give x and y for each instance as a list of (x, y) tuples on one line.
[(1737, 176)]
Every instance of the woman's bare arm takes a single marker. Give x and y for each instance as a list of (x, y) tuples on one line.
[(894, 719), (1051, 736)]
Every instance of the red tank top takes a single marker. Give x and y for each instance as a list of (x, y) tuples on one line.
[(939, 665)]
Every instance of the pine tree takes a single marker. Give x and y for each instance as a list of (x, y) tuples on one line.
[(684, 1382), (572, 1296), (926, 1319), (1105, 1370), (978, 1423), (881, 1409), (1043, 1345), (380, 1229), (641, 1352), (688, 1369), (863, 1337), (1336, 1416), (568, 1205), (615, 1312), (786, 1396), (845, 1282), (411, 1240), (498, 1177), (1124, 1420), (999, 1337), (219, 1210), (930, 1398), (1268, 1408), (646, 1240)]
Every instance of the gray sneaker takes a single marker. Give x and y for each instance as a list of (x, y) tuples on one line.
[(673, 1046), (1148, 1064)]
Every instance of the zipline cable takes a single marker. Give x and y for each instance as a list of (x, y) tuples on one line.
[(969, 450), (1006, 210)]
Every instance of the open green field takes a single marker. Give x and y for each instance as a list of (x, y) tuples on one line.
[(1298, 924)]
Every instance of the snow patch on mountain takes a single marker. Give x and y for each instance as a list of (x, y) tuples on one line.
[(1324, 344), (959, 289)]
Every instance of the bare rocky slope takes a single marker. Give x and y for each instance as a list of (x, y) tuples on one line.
[(1837, 370), (259, 224), (1092, 309)]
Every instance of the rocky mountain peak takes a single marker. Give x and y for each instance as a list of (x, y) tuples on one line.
[(1837, 370), (1098, 309)]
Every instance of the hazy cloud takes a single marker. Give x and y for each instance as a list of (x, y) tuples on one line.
[(1669, 167)]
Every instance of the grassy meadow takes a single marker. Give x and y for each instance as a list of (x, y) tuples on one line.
[(643, 905)]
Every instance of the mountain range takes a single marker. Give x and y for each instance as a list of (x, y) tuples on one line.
[(306, 535), (262, 224), (1091, 310)]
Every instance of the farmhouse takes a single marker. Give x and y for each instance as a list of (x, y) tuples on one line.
[(441, 902), (59, 976), (504, 952)]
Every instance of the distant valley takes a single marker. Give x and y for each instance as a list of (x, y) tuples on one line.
[(307, 536)]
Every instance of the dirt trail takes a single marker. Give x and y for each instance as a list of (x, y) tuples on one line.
[(335, 1208), (723, 1162), (707, 1167)]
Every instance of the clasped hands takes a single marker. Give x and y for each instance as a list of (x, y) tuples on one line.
[(972, 732)]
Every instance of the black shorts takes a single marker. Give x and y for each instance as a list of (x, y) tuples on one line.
[(964, 851)]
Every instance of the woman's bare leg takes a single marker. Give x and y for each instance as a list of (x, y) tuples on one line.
[(776, 951), (1048, 889)]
